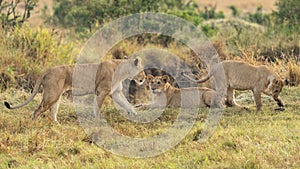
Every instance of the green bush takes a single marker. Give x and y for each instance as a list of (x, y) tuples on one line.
[(26, 52), (260, 17), (84, 15), (288, 14)]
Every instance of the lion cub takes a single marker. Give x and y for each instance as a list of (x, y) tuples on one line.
[(165, 95)]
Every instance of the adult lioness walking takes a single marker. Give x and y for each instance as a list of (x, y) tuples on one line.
[(243, 76), (57, 80), (109, 81)]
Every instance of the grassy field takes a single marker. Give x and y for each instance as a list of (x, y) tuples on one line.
[(243, 139)]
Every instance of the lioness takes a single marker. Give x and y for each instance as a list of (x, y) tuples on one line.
[(243, 76), (109, 81), (165, 95), (57, 80)]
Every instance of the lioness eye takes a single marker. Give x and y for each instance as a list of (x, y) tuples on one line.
[(158, 82)]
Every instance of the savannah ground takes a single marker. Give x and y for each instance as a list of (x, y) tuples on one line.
[(243, 139)]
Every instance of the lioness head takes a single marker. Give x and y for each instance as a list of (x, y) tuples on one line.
[(135, 70), (157, 84)]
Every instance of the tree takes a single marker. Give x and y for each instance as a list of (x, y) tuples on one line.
[(10, 15)]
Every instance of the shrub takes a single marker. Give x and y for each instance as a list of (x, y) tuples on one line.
[(26, 52), (288, 14), (260, 17)]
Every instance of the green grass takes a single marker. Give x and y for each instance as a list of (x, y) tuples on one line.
[(243, 139)]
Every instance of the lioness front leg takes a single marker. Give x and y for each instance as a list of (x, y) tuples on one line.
[(99, 101), (121, 100), (279, 103), (144, 106), (54, 110)]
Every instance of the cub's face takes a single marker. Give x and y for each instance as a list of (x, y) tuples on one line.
[(157, 83), (140, 78)]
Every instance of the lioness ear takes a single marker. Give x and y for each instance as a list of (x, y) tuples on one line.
[(165, 78), (137, 61)]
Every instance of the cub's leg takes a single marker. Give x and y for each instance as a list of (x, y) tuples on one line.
[(207, 99), (257, 98), (213, 99), (120, 99)]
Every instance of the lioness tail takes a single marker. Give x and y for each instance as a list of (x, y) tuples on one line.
[(197, 81), (34, 92)]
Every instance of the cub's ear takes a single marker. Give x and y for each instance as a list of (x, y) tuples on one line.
[(149, 77), (286, 82), (137, 61), (165, 78), (278, 81)]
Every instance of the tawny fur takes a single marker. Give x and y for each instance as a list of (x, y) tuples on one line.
[(59, 79), (109, 79), (165, 95), (243, 76)]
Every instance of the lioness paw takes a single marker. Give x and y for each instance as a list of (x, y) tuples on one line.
[(281, 108)]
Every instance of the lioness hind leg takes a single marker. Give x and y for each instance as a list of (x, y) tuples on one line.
[(41, 109), (230, 98), (50, 97), (44, 106)]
